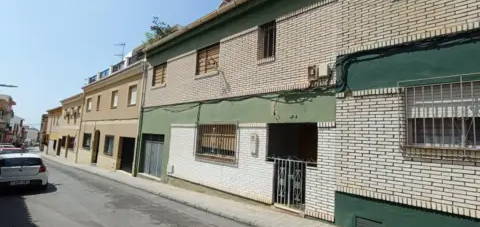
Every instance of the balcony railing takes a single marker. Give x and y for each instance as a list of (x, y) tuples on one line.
[(119, 66), (135, 58), (104, 73), (92, 79)]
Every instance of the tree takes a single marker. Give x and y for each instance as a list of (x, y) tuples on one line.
[(159, 30)]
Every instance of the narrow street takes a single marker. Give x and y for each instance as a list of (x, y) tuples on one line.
[(75, 198)]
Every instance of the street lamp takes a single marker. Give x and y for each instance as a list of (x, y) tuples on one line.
[(7, 85)]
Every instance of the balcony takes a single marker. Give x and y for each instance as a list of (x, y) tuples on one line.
[(135, 58), (104, 73), (92, 79), (119, 66)]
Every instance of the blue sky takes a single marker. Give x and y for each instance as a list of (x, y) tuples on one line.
[(49, 47)]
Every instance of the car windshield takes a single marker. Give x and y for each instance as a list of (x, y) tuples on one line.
[(11, 162)]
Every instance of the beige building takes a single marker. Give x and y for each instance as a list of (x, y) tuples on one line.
[(53, 135), (70, 126), (110, 118)]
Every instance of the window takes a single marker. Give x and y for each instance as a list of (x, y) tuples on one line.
[(207, 59), (114, 103), (267, 40), (217, 143), (89, 104), (159, 75), (87, 140), (444, 116), (70, 142), (108, 148), (99, 98), (132, 95)]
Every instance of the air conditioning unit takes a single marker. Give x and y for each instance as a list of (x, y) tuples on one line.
[(320, 71)]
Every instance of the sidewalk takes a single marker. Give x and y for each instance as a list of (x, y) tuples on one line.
[(237, 211)]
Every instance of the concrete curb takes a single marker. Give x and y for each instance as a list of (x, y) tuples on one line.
[(184, 202)]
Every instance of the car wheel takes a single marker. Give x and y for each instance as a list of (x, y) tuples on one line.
[(44, 187)]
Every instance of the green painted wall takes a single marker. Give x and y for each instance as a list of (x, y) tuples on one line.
[(380, 71), (249, 15), (348, 207), (275, 108)]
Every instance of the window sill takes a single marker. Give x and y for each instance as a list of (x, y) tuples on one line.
[(158, 86), (206, 75), (440, 148), (264, 61), (216, 160), (131, 105)]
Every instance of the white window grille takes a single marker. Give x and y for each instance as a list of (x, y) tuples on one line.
[(443, 115)]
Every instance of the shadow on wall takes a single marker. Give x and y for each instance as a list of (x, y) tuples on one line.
[(13, 209)]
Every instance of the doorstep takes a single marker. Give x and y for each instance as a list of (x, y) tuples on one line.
[(254, 215)]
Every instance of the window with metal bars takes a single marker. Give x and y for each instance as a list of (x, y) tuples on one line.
[(217, 142), (267, 40), (159, 75), (443, 115), (207, 59)]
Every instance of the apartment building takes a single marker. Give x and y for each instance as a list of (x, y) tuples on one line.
[(354, 112), (53, 131), (17, 133), (70, 126), (6, 114), (111, 111), (42, 135)]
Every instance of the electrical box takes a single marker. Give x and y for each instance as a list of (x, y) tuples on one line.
[(254, 144), (320, 71)]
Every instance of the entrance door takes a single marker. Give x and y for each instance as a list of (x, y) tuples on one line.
[(96, 144), (152, 156), (292, 147), (59, 147), (127, 151)]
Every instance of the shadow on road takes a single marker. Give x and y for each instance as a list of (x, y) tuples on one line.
[(13, 209)]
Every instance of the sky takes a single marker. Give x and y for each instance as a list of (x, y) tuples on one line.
[(49, 47)]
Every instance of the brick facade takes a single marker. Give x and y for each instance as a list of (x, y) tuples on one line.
[(371, 163), (362, 149), (303, 39)]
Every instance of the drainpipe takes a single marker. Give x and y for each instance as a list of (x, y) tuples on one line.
[(136, 161), (79, 129)]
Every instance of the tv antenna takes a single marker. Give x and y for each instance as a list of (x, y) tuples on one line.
[(121, 55)]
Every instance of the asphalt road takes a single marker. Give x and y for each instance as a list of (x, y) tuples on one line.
[(75, 198)]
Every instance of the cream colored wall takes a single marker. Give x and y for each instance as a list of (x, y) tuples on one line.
[(118, 128), (118, 122), (123, 110)]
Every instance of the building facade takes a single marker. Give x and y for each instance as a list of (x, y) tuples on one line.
[(68, 127), (109, 124), (323, 107), (42, 136), (6, 114), (17, 133), (53, 131)]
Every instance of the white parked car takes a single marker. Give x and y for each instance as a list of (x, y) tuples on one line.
[(23, 169), (6, 145)]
